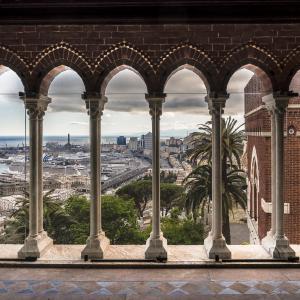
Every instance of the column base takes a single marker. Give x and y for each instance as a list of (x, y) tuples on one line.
[(156, 248), (35, 247), (95, 247), (278, 248), (216, 247)]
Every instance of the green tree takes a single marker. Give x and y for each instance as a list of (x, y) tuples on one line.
[(233, 177), (119, 219), (171, 195), (140, 191), (182, 231), (78, 207), (233, 138)]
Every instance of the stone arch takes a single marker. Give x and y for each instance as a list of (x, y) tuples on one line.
[(11, 60), (119, 57), (50, 62), (291, 66), (191, 57), (257, 59)]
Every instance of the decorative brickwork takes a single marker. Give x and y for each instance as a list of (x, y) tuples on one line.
[(214, 51)]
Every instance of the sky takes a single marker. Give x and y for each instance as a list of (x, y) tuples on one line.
[(126, 112)]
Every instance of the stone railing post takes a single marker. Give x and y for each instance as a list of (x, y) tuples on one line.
[(215, 244), (37, 242), (156, 246), (97, 241)]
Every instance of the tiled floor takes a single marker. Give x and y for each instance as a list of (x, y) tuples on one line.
[(159, 283), (149, 284)]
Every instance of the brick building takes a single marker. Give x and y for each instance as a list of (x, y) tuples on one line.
[(258, 130)]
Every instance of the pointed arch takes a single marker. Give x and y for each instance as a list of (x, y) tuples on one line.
[(54, 57), (10, 59), (120, 57), (249, 55), (291, 65), (195, 60)]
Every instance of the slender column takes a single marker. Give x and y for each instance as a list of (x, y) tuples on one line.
[(156, 247), (34, 172), (268, 241), (97, 241), (279, 177), (273, 174), (282, 247), (36, 243), (215, 244), (43, 103), (277, 244)]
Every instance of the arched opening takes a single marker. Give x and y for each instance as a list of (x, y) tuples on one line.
[(66, 157), (247, 87), (126, 157), (14, 150), (184, 111)]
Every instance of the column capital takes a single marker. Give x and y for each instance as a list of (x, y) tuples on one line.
[(95, 106), (36, 107), (216, 103), (155, 103)]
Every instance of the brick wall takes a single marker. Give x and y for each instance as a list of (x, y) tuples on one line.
[(216, 49), (216, 39), (259, 122)]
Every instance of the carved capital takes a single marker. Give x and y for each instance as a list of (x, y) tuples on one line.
[(216, 105), (36, 107), (155, 104), (95, 106)]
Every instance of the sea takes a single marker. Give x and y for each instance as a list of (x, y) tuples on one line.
[(19, 141)]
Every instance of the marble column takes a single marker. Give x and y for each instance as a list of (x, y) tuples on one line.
[(282, 247), (215, 243), (268, 241), (44, 104), (156, 246), (37, 242), (276, 242), (97, 242)]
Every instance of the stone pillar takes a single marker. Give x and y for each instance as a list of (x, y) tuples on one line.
[(37, 242), (268, 240), (278, 245), (156, 246), (97, 241), (44, 103), (215, 244), (282, 248)]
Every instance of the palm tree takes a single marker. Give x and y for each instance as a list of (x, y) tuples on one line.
[(233, 138), (198, 182), (56, 221), (199, 193)]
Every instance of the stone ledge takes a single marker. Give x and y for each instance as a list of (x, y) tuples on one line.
[(176, 253)]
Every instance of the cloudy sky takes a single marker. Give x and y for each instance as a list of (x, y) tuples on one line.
[(126, 112)]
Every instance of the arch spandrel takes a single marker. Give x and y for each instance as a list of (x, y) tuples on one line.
[(291, 66), (17, 64), (52, 58), (191, 57), (120, 57), (260, 61)]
